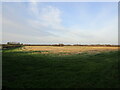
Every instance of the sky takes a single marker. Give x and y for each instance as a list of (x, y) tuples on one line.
[(60, 22)]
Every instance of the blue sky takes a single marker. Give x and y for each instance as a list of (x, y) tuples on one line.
[(60, 22)]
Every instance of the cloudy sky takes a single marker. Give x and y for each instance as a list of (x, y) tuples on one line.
[(60, 22)]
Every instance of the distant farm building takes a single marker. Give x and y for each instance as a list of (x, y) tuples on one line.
[(13, 43)]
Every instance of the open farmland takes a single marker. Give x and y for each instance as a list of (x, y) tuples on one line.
[(57, 44), (61, 67)]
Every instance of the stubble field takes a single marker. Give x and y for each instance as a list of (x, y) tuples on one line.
[(69, 49)]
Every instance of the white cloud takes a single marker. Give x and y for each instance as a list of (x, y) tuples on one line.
[(48, 16), (34, 8), (15, 31)]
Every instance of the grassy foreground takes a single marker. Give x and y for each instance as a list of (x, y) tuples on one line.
[(34, 70)]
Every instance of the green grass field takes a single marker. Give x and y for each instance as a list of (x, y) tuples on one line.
[(34, 70)]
